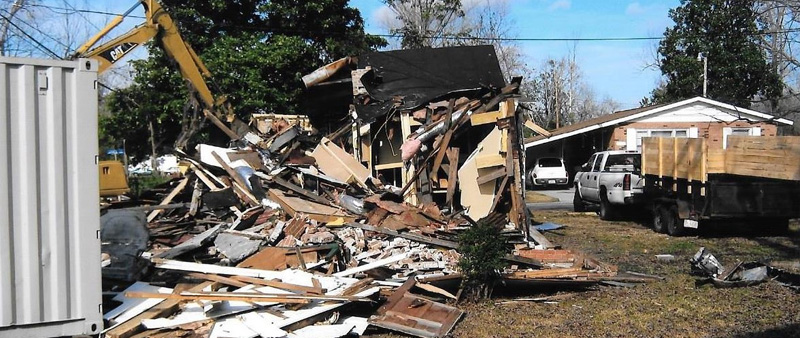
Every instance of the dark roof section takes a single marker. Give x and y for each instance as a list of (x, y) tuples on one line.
[(594, 121), (415, 77)]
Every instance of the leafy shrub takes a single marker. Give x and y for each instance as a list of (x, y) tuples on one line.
[(482, 249)]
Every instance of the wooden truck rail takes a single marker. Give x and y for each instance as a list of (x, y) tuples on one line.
[(776, 157), (754, 178)]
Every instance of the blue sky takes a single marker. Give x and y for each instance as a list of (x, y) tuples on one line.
[(616, 69)]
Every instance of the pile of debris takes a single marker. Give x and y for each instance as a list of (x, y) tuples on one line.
[(286, 231), (704, 264)]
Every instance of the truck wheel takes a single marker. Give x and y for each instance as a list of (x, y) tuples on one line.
[(674, 223), (606, 210), (659, 219), (577, 202)]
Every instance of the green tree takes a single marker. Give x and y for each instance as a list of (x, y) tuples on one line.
[(726, 32), (257, 51)]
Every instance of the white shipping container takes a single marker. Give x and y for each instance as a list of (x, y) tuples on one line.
[(50, 282)]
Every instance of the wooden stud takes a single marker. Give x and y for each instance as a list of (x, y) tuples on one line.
[(452, 175), (168, 199)]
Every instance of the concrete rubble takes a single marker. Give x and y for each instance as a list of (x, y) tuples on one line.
[(291, 232)]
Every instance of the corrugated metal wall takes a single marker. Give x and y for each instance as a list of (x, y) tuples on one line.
[(50, 283)]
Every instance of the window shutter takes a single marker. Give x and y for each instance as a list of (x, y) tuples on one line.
[(725, 132), (631, 141)]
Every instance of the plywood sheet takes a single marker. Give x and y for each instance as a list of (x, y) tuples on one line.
[(477, 197), (339, 164)]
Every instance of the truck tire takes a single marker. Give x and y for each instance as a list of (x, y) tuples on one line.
[(577, 202), (607, 212), (659, 219), (674, 222)]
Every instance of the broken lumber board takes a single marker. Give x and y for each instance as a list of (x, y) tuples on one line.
[(407, 235), (376, 264), (485, 118), (319, 212), (540, 239), (209, 115), (435, 289), (218, 279), (445, 144), (550, 256), (163, 309), (549, 273), (169, 264), (278, 258), (159, 207), (357, 287), (499, 172), (537, 129), (168, 199), (207, 181), (300, 191), (281, 285), (245, 297), (452, 175), (198, 167)]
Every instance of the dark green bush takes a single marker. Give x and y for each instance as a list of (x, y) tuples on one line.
[(482, 249)]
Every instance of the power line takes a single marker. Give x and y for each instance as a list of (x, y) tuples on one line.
[(57, 41), (399, 36), (39, 44), (81, 15), (77, 10)]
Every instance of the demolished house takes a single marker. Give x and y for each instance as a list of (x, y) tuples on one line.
[(294, 232)]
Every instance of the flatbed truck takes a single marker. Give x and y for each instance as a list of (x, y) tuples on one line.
[(756, 179)]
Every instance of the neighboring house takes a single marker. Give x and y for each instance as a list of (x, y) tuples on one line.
[(624, 130)]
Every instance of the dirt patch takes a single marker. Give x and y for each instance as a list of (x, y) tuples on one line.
[(535, 197), (674, 307)]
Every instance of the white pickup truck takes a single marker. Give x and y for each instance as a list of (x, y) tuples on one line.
[(611, 179)]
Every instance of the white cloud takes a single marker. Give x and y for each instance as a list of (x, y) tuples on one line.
[(635, 8), (560, 4), (385, 18)]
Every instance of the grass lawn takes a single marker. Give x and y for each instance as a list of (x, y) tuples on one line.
[(674, 307)]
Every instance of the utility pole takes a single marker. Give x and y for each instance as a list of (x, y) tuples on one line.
[(701, 57)]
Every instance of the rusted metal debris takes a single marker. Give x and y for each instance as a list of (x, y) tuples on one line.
[(273, 236)]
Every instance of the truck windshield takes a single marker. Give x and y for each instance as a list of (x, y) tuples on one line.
[(549, 162), (623, 162)]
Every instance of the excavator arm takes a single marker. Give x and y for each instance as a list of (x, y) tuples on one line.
[(157, 24)]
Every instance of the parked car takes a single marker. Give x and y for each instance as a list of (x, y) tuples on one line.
[(611, 179), (549, 171)]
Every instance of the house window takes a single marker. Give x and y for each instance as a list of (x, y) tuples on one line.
[(747, 131), (641, 133)]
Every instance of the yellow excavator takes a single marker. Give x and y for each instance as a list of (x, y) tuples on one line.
[(158, 24)]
